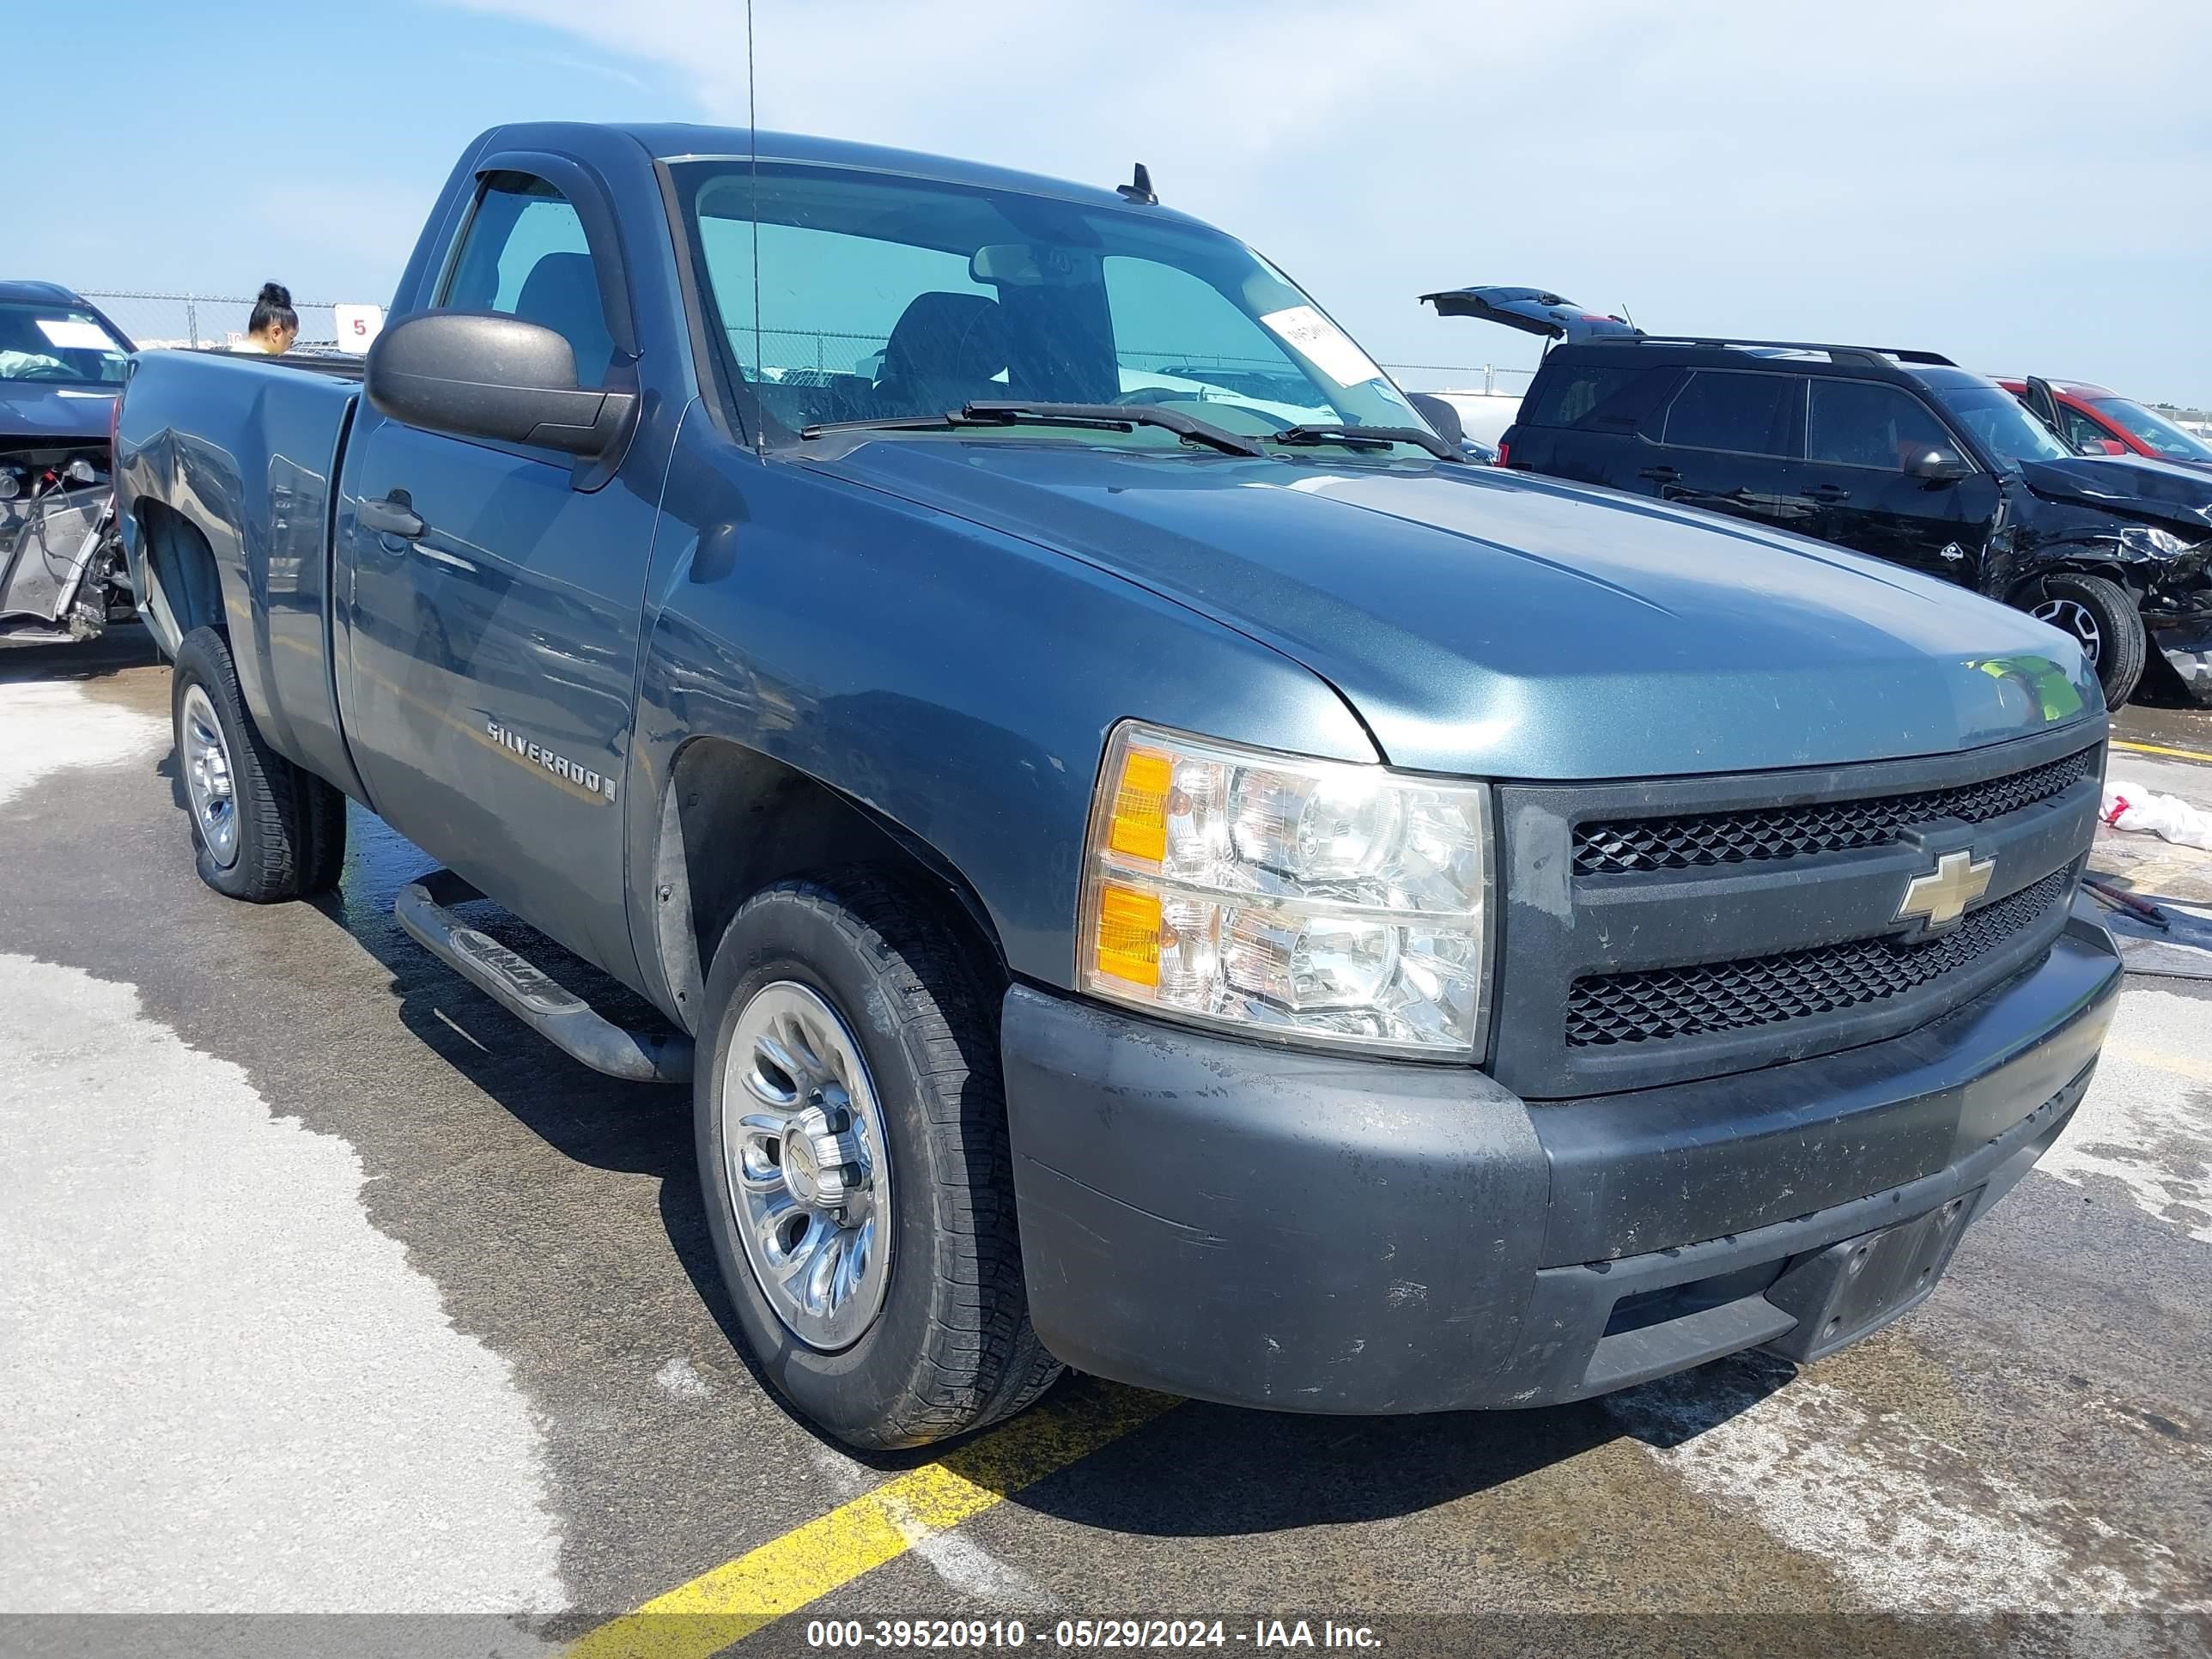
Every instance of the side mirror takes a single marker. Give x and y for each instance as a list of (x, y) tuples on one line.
[(1439, 415), (2100, 447), (1938, 466), (478, 375)]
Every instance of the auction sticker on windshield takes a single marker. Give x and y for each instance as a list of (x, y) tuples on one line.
[(73, 336), (1323, 344)]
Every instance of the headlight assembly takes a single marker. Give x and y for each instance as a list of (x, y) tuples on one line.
[(1310, 900)]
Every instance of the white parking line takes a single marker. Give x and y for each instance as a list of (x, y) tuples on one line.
[(46, 726), (1912, 1523), (223, 1389)]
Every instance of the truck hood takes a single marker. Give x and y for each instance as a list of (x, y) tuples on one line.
[(31, 411), (2133, 486), (1495, 624)]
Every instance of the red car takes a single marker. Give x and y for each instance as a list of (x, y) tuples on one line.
[(2096, 421)]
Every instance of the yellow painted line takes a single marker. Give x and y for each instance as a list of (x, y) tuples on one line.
[(2161, 748), (2186, 1065), (728, 1603)]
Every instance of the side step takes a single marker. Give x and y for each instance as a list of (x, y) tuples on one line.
[(530, 995)]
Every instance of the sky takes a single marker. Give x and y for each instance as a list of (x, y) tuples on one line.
[(2023, 185)]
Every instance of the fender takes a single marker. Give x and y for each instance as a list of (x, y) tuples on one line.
[(782, 607)]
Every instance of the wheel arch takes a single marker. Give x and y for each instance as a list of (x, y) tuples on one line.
[(2028, 590), (734, 821), (184, 583)]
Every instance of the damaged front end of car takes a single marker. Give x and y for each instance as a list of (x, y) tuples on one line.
[(63, 576), (2164, 565)]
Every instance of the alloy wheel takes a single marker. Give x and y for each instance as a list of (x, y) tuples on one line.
[(807, 1164), (208, 779)]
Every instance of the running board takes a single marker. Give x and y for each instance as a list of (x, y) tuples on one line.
[(530, 995)]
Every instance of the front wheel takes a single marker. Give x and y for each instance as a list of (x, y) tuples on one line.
[(851, 1139), (2105, 620)]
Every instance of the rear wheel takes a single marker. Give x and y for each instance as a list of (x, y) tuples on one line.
[(263, 829), (851, 1139), (2100, 616)]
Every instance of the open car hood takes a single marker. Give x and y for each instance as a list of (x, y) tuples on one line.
[(1531, 309)]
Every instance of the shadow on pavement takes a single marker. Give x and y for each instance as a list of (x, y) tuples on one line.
[(1198, 1470), (126, 646)]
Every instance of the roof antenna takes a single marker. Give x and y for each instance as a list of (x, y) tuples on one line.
[(1138, 188)]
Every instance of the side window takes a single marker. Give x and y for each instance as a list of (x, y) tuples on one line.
[(1863, 423), (1594, 396), (1726, 409), (2080, 428), (525, 254)]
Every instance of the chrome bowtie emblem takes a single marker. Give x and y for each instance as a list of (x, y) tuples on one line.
[(1942, 895)]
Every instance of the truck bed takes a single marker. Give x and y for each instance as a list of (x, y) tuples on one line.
[(244, 451)]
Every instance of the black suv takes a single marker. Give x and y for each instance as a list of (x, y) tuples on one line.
[(1902, 455)]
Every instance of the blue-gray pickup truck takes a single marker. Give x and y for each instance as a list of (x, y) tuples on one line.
[(1150, 861)]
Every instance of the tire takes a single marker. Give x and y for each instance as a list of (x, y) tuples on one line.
[(948, 1346), (282, 834), (2099, 613)]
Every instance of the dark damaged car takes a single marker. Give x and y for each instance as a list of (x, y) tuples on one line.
[(1896, 453), (62, 364), (1150, 860)]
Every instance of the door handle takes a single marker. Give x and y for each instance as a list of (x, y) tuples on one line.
[(1827, 495), (394, 515), (1662, 474)]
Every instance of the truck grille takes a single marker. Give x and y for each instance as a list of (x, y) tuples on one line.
[(1727, 996), (1618, 846), (1660, 930)]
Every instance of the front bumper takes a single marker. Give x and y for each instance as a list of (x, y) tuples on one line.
[(1266, 1227), (2186, 646)]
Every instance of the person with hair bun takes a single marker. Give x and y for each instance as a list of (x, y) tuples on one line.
[(274, 324)]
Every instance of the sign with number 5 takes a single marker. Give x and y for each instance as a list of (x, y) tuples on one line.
[(358, 326)]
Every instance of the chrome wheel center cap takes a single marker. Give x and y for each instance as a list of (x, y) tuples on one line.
[(814, 1162)]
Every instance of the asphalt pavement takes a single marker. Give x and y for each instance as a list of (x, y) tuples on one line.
[(329, 1289)]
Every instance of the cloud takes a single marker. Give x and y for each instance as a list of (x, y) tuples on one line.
[(1986, 178)]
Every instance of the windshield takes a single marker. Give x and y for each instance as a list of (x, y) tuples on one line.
[(65, 345), (876, 297), (2155, 429), (2000, 422)]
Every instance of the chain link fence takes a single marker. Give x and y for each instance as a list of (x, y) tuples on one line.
[(205, 319)]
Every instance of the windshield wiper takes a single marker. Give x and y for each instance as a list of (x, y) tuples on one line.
[(1369, 437), (1104, 417)]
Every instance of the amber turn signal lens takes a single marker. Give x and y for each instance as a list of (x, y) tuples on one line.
[(1139, 825), (1128, 935)]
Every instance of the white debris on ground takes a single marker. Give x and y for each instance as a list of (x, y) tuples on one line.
[(680, 1378), (46, 726), (2146, 1122), (224, 1390), (1911, 1523), (2134, 810)]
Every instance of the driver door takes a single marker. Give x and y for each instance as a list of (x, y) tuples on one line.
[(495, 608), (1860, 437)]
